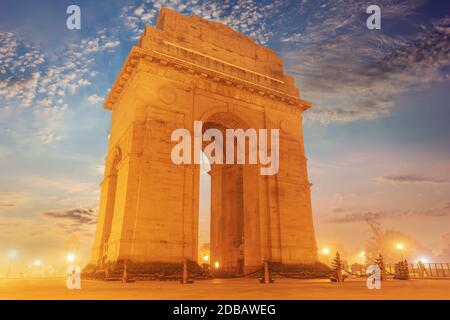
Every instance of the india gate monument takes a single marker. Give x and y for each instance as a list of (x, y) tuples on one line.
[(183, 71)]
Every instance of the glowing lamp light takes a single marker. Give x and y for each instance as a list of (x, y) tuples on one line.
[(362, 254), (205, 258), (37, 262), (12, 254), (216, 265), (70, 257), (400, 246), (422, 259), (326, 251)]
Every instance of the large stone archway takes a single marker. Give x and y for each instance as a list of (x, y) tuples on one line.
[(188, 69)]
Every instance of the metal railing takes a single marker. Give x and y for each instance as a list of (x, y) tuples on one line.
[(416, 270)]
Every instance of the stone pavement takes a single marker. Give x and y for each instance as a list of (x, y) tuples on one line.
[(224, 289)]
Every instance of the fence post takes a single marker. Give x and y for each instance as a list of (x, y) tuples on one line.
[(421, 268)]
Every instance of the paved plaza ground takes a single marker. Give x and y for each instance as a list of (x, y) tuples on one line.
[(224, 289)]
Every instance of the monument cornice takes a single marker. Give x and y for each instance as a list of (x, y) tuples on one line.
[(191, 68)]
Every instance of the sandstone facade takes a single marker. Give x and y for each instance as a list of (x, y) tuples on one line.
[(187, 69)]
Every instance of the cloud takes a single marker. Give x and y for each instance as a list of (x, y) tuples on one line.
[(350, 73), (9, 200), (7, 204), (31, 77), (250, 17), (47, 136), (95, 99), (440, 210), (111, 44), (66, 185), (413, 179), (78, 215), (10, 223)]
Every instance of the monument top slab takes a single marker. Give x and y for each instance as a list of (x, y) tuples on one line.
[(212, 39)]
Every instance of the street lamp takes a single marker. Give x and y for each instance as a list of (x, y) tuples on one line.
[(362, 254), (216, 265), (12, 254), (37, 262), (422, 259), (70, 257), (326, 253), (205, 258)]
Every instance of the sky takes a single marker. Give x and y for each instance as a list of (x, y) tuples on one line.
[(377, 137)]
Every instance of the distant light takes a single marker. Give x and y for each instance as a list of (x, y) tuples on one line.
[(205, 258), (400, 246), (12, 254), (326, 251), (216, 265), (423, 260), (362, 254), (70, 257), (37, 262)]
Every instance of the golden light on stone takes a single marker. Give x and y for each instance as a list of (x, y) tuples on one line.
[(244, 86)]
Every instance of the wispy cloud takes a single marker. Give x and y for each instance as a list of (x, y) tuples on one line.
[(351, 73), (415, 179), (11, 200), (47, 136), (440, 210), (95, 99), (78, 215), (32, 77), (56, 184), (247, 16)]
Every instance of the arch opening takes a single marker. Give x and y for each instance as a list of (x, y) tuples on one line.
[(221, 205)]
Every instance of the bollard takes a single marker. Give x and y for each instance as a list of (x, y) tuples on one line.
[(125, 272), (185, 273), (266, 273)]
